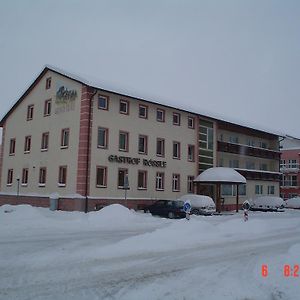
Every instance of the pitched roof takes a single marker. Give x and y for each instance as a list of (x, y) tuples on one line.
[(93, 84)]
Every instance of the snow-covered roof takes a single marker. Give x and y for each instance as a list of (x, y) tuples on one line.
[(221, 175)]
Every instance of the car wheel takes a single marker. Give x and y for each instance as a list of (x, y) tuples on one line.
[(171, 215), (195, 212)]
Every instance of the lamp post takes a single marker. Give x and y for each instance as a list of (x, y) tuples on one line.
[(18, 187)]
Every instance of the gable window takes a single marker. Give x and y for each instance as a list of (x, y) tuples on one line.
[(24, 181), (124, 107), (176, 150), (102, 137), (176, 119), (123, 141), (160, 181), (142, 180), (10, 175), (191, 153), (160, 147), (27, 144), (42, 176), (62, 176), (176, 183), (45, 141), (12, 146), (30, 112), (47, 107), (191, 122), (101, 177), (103, 102), (160, 115), (143, 111), (143, 141), (190, 184), (48, 83), (122, 178), (65, 134)]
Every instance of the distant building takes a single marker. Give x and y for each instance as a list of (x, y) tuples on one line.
[(68, 136), (290, 168)]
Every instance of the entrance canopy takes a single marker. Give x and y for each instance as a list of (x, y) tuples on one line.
[(218, 176), (221, 175)]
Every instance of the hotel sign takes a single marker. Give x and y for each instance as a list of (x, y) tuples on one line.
[(137, 161), (65, 99)]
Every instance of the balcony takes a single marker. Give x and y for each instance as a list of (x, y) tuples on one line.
[(289, 168), (247, 150), (259, 175)]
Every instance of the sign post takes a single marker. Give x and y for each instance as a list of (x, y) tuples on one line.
[(187, 209)]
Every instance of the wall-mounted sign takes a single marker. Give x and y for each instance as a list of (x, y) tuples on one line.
[(65, 99), (137, 161)]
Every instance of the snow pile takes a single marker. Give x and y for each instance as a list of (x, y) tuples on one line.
[(293, 203)]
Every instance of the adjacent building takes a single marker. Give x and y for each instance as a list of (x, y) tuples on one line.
[(94, 147), (289, 166)]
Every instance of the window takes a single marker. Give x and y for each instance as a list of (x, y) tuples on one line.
[(271, 190), (48, 83), (143, 141), (176, 150), (250, 143), (24, 181), (62, 176), (65, 133), (282, 163), (289, 180), (42, 176), (292, 163), (102, 137), (160, 181), (123, 179), (262, 144), (191, 122), (103, 102), (27, 144), (47, 108), (258, 189), (263, 167), (160, 147), (124, 107), (230, 190), (191, 153), (250, 165), (176, 183), (190, 184), (143, 111), (123, 141), (142, 180), (45, 141), (160, 115), (206, 137), (10, 175), (233, 163), (30, 112), (234, 139), (101, 177), (12, 147), (176, 119)]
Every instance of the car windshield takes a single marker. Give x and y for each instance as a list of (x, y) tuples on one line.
[(179, 203)]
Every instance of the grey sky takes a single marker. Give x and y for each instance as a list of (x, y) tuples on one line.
[(235, 59)]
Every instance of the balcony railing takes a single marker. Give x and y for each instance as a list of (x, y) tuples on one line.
[(289, 168), (247, 150), (259, 175)]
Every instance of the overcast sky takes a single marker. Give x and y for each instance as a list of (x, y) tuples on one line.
[(239, 60)]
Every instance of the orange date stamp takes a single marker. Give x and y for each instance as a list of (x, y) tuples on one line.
[(287, 270)]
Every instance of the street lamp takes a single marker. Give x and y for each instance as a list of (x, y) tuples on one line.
[(18, 187)]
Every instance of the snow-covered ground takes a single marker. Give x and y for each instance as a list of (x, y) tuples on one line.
[(120, 254)]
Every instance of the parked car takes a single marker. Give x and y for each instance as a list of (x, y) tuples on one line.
[(201, 205), (167, 208), (293, 203), (266, 203)]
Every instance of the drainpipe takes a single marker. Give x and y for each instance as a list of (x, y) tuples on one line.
[(88, 152)]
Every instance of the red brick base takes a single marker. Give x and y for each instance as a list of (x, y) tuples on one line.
[(78, 204)]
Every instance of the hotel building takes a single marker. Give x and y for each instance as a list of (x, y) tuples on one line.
[(93, 146)]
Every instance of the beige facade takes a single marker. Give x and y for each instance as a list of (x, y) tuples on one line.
[(104, 132)]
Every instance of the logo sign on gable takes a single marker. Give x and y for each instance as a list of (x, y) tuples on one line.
[(65, 99)]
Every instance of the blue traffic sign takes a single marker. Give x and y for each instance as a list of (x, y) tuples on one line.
[(187, 206)]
